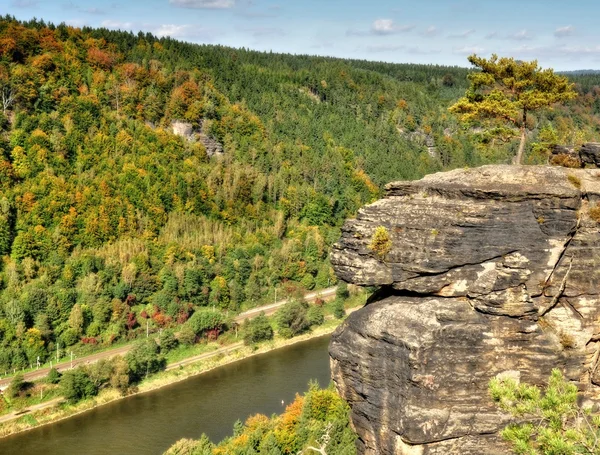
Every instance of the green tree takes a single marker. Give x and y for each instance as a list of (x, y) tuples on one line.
[(53, 376), (76, 385), (119, 376), (17, 384), (506, 90), (315, 315), (341, 292), (553, 421), (143, 359), (338, 309), (257, 329), (292, 319), (167, 339), (186, 336), (204, 320), (219, 292)]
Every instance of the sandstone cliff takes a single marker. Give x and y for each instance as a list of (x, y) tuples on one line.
[(494, 270)]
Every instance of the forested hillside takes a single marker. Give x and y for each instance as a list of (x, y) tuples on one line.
[(111, 224)]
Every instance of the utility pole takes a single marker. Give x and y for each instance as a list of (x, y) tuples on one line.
[(71, 360), (57, 344), (147, 328)]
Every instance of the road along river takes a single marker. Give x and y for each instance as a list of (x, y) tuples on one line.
[(210, 403)]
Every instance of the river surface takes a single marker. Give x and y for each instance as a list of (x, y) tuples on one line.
[(210, 403)]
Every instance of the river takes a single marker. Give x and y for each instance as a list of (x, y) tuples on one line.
[(210, 403)]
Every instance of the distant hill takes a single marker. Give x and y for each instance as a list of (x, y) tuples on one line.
[(579, 72), (111, 223)]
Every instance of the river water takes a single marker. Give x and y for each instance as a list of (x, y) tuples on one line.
[(210, 403)]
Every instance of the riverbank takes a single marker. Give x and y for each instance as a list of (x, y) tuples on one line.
[(176, 372)]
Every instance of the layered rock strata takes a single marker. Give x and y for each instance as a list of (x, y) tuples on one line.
[(494, 270)]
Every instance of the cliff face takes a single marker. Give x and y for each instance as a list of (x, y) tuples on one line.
[(494, 270)]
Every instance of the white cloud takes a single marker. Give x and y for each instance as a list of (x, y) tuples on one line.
[(413, 50), (24, 3), (383, 26), (561, 32), (387, 27), (91, 10), (550, 53), (385, 47), (491, 35), (258, 32), (468, 50), (464, 34), (203, 4), (420, 51), (184, 32), (116, 25), (174, 30), (432, 30), (76, 22), (522, 35)]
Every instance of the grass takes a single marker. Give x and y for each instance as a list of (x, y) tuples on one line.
[(595, 213), (183, 352), (575, 181)]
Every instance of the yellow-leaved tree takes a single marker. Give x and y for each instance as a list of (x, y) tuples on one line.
[(505, 90)]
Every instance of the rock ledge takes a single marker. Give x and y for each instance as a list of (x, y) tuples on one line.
[(491, 270)]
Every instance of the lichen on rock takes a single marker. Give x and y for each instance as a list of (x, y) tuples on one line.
[(493, 270)]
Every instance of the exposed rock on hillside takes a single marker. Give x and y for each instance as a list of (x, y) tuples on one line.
[(494, 270), (185, 130)]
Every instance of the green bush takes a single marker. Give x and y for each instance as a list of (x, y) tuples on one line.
[(342, 292), (69, 337), (292, 319), (168, 342), (315, 316), (53, 376), (338, 309), (143, 359), (381, 244), (205, 319), (549, 421), (186, 336), (257, 329), (16, 386), (76, 385)]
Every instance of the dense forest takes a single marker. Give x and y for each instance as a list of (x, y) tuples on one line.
[(112, 225)]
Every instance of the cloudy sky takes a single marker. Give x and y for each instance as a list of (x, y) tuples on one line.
[(561, 34)]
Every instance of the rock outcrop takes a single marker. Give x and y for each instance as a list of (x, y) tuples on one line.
[(494, 270), (186, 130), (588, 155)]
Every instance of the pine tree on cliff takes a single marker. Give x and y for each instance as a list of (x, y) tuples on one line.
[(504, 91)]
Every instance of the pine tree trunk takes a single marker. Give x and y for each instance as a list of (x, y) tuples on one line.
[(518, 160)]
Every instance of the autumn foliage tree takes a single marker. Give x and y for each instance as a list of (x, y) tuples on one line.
[(506, 90)]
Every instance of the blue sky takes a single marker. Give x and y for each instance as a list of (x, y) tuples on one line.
[(560, 34)]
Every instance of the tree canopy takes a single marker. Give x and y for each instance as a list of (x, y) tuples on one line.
[(507, 90)]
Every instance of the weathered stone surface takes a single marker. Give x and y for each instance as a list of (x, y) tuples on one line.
[(491, 270), (586, 155), (590, 153)]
